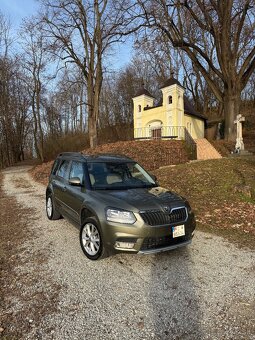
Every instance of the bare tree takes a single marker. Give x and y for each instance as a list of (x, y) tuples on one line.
[(217, 36), (14, 115), (83, 31), (117, 93), (70, 98), (34, 61), (5, 39)]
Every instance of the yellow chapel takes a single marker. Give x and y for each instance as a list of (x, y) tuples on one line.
[(172, 118)]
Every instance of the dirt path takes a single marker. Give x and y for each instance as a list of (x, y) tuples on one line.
[(203, 292)]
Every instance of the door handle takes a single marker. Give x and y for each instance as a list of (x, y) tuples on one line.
[(64, 189)]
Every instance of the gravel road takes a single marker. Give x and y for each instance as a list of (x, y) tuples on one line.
[(205, 291)]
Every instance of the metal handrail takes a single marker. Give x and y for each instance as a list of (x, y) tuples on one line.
[(171, 132)]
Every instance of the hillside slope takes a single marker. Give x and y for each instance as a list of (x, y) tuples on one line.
[(222, 193), (226, 147), (150, 154)]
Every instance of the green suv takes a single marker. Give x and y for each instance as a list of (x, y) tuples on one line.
[(118, 206)]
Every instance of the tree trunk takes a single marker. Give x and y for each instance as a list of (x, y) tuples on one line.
[(93, 105), (231, 104), (81, 117), (92, 131), (81, 109), (35, 129), (40, 146)]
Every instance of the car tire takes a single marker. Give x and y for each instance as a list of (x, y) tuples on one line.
[(51, 210), (91, 240)]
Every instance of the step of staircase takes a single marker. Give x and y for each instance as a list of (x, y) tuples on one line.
[(205, 150)]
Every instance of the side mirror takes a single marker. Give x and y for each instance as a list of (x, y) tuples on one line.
[(75, 181)]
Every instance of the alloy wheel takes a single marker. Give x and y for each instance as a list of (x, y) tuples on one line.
[(49, 207), (91, 239)]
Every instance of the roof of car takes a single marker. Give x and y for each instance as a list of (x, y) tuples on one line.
[(99, 157)]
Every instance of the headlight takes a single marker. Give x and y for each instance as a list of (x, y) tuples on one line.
[(120, 216)]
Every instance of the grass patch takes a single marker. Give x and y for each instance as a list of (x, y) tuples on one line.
[(213, 190)]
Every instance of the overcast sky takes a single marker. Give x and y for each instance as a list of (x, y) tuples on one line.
[(16, 10)]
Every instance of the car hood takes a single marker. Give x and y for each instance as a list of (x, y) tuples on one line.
[(140, 199)]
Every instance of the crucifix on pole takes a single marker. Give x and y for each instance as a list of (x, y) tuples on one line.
[(239, 133)]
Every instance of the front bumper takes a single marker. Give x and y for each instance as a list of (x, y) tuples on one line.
[(147, 239), (167, 248)]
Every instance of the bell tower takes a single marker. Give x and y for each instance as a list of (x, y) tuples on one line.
[(173, 101), (142, 100)]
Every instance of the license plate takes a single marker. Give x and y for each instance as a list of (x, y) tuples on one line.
[(178, 231)]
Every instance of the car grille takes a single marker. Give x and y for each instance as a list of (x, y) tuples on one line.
[(161, 242), (155, 218)]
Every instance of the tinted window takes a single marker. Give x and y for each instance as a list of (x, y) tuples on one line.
[(55, 167), (77, 170), (107, 175), (63, 169)]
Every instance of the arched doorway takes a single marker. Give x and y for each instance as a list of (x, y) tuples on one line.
[(155, 129)]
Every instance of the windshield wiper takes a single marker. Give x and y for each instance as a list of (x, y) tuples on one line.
[(126, 187), (102, 188)]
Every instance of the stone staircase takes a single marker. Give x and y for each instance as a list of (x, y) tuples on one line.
[(205, 150)]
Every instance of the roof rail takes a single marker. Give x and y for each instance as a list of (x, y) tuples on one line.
[(71, 154)]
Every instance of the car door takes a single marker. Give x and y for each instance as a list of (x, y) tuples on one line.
[(75, 194), (60, 185)]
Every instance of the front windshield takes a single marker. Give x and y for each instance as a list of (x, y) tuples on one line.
[(112, 175)]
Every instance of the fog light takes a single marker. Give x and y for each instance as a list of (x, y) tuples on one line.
[(127, 245)]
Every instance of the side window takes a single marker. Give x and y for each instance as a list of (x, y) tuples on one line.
[(170, 100), (55, 167), (63, 169), (77, 170)]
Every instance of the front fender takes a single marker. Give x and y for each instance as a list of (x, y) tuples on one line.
[(88, 209)]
